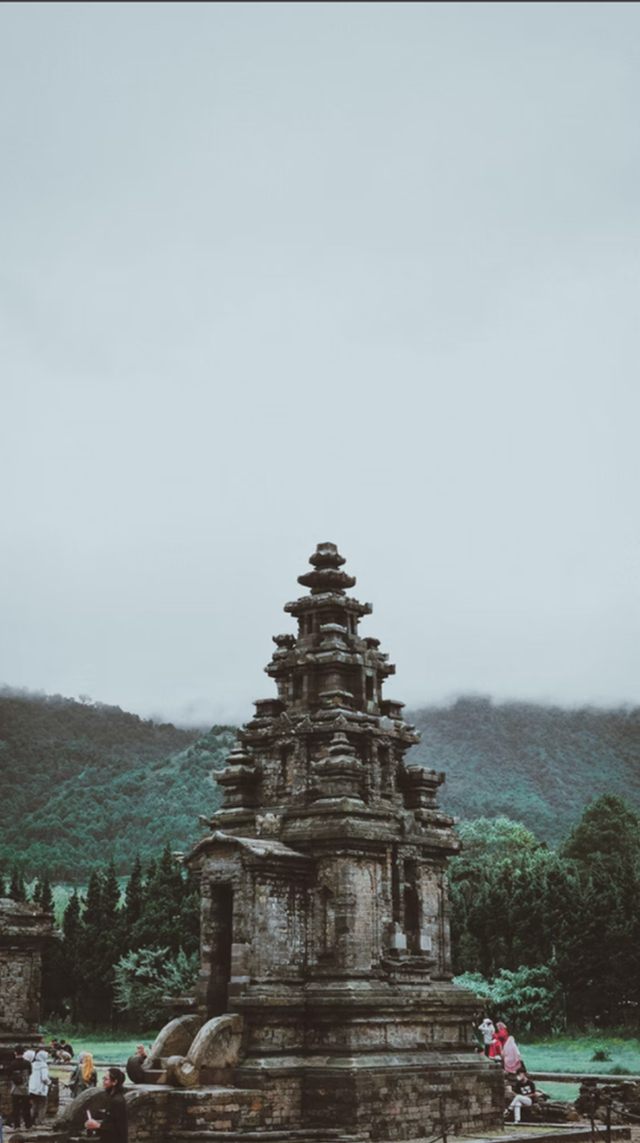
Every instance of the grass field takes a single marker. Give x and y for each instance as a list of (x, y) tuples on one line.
[(575, 1054), (572, 1054), (107, 1048), (562, 1091)]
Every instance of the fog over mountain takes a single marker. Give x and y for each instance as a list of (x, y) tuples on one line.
[(86, 781)]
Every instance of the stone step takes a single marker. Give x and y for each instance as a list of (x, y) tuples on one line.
[(306, 1135), (579, 1077)]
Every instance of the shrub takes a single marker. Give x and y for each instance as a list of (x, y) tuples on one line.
[(529, 998), (144, 977)]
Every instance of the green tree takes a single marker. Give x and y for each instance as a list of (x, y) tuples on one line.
[(607, 834), (42, 895), (529, 999), (61, 966), (94, 992), (46, 895), (144, 977), (17, 888), (604, 847), (134, 896), (161, 922)]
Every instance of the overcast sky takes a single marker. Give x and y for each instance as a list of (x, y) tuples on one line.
[(275, 274)]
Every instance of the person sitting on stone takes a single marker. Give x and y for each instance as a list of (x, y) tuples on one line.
[(525, 1094), (135, 1065), (113, 1128)]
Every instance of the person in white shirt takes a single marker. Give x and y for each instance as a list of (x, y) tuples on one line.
[(487, 1029)]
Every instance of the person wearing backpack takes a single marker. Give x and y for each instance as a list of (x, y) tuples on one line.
[(20, 1106)]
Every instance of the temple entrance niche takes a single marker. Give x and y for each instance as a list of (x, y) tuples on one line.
[(221, 937)]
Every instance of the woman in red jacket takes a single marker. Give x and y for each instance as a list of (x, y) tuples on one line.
[(498, 1041)]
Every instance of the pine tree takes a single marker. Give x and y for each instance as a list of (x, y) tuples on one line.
[(111, 903), (17, 889), (133, 899), (111, 936), (160, 924), (61, 965), (91, 950), (46, 895)]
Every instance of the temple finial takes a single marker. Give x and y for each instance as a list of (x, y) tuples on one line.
[(326, 576)]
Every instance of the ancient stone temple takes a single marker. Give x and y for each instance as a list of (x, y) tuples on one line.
[(324, 900), (24, 929)]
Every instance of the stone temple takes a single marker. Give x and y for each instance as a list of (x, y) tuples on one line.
[(324, 900), (24, 931)]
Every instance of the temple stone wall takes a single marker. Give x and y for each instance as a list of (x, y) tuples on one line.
[(389, 1103), (23, 931), (24, 928), (19, 989), (162, 1115)]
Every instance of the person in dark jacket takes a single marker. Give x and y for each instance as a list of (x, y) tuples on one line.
[(113, 1128), (524, 1094), (135, 1065), (20, 1103), (84, 1075)]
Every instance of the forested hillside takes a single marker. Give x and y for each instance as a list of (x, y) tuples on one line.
[(536, 764), (83, 783)]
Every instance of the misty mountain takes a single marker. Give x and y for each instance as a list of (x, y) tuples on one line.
[(536, 764), (84, 781)]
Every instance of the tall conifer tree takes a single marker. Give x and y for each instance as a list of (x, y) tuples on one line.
[(17, 888)]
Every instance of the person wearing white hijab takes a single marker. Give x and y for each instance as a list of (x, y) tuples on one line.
[(39, 1082)]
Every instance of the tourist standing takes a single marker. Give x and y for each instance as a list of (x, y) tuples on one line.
[(512, 1061), (20, 1106), (84, 1075), (498, 1040), (39, 1082), (113, 1128), (487, 1030)]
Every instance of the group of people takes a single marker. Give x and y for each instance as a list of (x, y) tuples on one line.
[(500, 1046), (30, 1082), (61, 1051)]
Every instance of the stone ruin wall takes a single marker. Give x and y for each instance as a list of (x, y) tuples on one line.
[(24, 928)]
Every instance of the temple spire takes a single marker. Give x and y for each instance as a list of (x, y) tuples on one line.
[(327, 576)]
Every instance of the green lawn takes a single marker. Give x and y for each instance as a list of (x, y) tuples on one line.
[(554, 1054), (107, 1048), (575, 1054), (563, 1091)]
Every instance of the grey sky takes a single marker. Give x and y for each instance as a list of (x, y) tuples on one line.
[(274, 274)]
